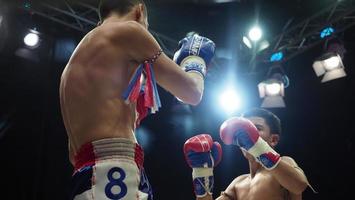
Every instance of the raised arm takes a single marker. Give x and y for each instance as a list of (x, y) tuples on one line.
[(202, 155), (243, 133), (141, 46)]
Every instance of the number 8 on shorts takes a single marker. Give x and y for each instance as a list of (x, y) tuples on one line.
[(116, 180), (116, 188)]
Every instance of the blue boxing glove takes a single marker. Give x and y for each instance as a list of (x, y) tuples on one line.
[(195, 54), (202, 155)]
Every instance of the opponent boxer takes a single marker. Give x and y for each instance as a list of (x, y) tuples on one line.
[(271, 176), (109, 86)]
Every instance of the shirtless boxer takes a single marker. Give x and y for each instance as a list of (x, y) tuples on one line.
[(109, 86), (271, 176)]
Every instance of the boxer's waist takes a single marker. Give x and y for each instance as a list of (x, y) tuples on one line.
[(110, 148)]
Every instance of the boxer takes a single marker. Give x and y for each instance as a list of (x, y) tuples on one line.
[(109, 85), (271, 176)]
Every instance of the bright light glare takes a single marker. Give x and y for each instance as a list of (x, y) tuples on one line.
[(255, 33), (247, 42), (332, 63), (31, 39), (273, 89), (230, 101)]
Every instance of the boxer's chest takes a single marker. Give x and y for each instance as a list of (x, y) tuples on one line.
[(262, 186)]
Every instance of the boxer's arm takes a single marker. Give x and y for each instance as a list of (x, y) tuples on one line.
[(295, 196), (141, 46), (186, 86), (230, 192), (290, 176)]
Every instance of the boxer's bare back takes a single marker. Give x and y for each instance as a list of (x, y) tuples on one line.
[(91, 88), (98, 73)]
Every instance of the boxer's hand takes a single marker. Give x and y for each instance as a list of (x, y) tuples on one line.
[(242, 132), (202, 154), (195, 54)]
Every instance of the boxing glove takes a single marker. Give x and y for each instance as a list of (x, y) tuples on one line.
[(242, 132), (195, 54), (202, 155)]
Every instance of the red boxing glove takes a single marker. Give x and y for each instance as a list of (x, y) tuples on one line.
[(243, 133), (202, 154)]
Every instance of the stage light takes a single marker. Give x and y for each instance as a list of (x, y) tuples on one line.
[(278, 56), (330, 65), (272, 91), (230, 101), (31, 39), (263, 45), (247, 42), (27, 5), (327, 32), (255, 34)]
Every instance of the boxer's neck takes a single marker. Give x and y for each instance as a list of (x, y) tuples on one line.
[(119, 18)]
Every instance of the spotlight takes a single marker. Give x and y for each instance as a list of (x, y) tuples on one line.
[(263, 45), (255, 34), (272, 91), (330, 65), (278, 56), (247, 42), (31, 39), (27, 5), (327, 32), (230, 101)]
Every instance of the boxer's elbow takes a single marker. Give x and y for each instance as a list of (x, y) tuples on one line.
[(196, 97), (192, 90), (192, 97), (196, 89), (299, 187)]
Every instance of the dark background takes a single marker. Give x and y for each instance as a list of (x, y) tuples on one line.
[(318, 123)]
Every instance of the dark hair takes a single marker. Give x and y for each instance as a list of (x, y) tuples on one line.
[(119, 6), (271, 119)]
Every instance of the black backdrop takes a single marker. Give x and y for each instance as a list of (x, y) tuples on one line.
[(318, 122)]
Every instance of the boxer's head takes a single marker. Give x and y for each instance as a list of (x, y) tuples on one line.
[(134, 8), (268, 124)]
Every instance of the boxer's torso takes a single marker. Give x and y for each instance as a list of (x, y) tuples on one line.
[(261, 186), (91, 89)]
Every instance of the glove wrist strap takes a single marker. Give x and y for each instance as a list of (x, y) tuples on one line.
[(203, 181), (201, 172), (264, 154), (194, 64)]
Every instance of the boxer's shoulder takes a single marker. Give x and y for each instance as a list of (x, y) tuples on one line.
[(289, 160), (122, 30), (241, 178)]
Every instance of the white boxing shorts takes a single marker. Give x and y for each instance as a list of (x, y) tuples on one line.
[(110, 169)]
